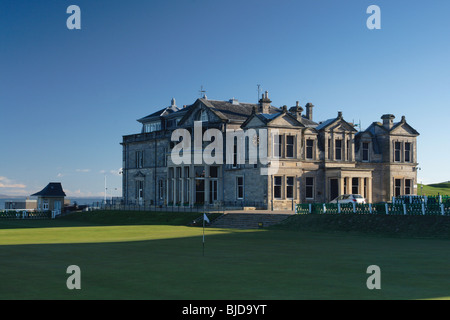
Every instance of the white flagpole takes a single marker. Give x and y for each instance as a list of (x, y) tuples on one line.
[(203, 233)]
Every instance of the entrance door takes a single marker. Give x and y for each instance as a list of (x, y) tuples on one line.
[(334, 189)]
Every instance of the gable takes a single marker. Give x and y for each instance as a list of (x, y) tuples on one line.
[(404, 129), (194, 114), (284, 120), (253, 122), (338, 125)]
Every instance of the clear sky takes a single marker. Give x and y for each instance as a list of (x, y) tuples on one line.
[(68, 96)]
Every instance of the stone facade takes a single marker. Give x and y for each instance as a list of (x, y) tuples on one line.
[(306, 161)]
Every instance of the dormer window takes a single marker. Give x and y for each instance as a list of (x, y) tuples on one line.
[(152, 126), (365, 151)]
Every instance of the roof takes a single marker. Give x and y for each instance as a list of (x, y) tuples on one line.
[(234, 111), (325, 123), (155, 115), (53, 189)]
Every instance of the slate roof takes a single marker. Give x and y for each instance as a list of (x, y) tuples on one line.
[(53, 189), (163, 112), (238, 112), (325, 123)]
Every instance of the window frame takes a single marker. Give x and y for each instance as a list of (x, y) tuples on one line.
[(290, 187), (239, 187), (277, 187), (309, 187), (290, 147), (365, 151), (311, 148)]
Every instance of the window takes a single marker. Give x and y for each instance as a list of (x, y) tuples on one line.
[(329, 149), (45, 205), (213, 171), (212, 191), (338, 149), (277, 183), (289, 146), (277, 144), (397, 150), (398, 187), (239, 187), (309, 184), (139, 159), (289, 187), (161, 189), (309, 148), (348, 149), (235, 155), (408, 186), (407, 151), (355, 185), (365, 151), (187, 187), (139, 190), (199, 172), (365, 187), (152, 126)]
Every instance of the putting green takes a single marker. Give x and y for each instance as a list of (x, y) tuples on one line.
[(96, 234)]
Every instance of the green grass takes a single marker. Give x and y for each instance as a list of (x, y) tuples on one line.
[(434, 189), (161, 261)]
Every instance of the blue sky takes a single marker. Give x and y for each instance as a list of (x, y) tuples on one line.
[(68, 96)]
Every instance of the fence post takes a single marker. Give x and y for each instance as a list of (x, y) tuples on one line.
[(339, 207), (354, 207), (386, 207), (324, 208), (370, 208), (423, 208), (310, 208), (442, 209), (404, 209)]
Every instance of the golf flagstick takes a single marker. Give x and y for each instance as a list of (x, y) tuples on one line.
[(204, 218)]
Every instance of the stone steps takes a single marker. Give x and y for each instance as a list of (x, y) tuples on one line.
[(248, 220)]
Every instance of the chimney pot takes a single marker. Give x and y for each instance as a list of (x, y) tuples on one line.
[(309, 112)]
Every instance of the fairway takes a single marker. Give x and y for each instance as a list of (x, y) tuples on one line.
[(166, 262)]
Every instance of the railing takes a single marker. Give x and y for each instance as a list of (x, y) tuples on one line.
[(24, 214), (177, 207), (378, 208)]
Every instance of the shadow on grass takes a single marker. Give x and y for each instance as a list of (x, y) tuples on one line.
[(237, 264)]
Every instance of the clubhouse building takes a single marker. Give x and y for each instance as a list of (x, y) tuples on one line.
[(300, 159)]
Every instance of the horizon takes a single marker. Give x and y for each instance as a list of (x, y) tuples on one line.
[(68, 96)]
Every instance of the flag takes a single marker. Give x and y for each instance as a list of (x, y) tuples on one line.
[(205, 218)]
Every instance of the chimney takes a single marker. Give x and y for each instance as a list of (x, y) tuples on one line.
[(264, 103), (309, 111), (296, 111), (388, 120)]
